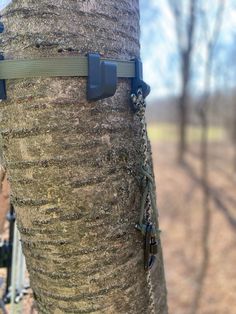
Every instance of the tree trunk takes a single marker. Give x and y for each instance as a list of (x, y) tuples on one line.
[(183, 120), (74, 165), (183, 98)]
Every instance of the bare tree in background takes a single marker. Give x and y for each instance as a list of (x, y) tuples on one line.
[(185, 26), (211, 40), (234, 138)]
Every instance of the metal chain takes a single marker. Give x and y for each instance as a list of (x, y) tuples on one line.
[(148, 201), (139, 105)]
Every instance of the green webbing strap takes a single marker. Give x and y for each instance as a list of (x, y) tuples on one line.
[(148, 190), (60, 66)]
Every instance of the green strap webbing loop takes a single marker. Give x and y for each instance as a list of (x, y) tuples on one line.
[(60, 66), (148, 190)]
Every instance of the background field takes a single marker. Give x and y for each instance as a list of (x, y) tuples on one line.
[(180, 201)]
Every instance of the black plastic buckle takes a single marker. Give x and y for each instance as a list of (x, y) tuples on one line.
[(137, 81), (3, 94), (150, 247), (102, 77)]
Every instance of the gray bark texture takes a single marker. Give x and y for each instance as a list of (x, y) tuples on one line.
[(74, 165)]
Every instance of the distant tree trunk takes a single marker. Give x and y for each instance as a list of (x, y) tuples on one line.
[(206, 219), (183, 111), (185, 35), (73, 164), (234, 138), (204, 148)]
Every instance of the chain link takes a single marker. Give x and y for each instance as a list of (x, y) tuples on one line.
[(139, 105)]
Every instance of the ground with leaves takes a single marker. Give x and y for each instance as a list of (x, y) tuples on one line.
[(181, 219)]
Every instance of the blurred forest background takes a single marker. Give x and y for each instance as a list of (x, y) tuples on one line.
[(188, 49)]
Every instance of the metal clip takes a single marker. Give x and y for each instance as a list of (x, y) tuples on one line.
[(102, 77), (137, 81), (150, 247)]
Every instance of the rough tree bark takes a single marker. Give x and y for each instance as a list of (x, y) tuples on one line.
[(74, 165)]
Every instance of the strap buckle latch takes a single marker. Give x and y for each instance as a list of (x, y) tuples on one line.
[(102, 77), (150, 247), (150, 244), (137, 81)]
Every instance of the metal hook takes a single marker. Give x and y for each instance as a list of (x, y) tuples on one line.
[(150, 247)]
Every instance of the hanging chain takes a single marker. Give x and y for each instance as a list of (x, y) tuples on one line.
[(147, 221)]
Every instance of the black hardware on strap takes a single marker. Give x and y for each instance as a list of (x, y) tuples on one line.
[(1, 27), (150, 247), (102, 77), (137, 81)]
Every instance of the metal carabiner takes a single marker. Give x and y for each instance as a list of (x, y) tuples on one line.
[(150, 247)]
